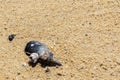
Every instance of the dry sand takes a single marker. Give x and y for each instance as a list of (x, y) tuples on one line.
[(83, 34)]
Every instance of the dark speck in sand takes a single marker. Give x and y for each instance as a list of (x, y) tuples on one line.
[(11, 37)]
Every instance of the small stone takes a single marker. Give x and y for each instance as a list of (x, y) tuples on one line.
[(18, 73), (24, 64), (11, 37), (90, 23), (59, 74), (47, 69), (5, 28)]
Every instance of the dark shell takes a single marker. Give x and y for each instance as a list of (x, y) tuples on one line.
[(11, 37), (40, 49), (35, 47)]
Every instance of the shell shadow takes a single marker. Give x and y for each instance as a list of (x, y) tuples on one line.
[(44, 63)]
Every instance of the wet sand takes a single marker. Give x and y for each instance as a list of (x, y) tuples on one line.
[(83, 34)]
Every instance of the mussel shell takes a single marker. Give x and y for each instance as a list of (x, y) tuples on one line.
[(35, 47)]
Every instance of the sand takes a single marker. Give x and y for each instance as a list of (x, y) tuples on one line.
[(83, 34)]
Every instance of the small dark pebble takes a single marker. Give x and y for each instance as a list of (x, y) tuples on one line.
[(11, 37), (59, 74), (18, 73), (90, 23), (101, 65), (5, 28)]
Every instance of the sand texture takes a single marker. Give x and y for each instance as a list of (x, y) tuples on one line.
[(83, 34)]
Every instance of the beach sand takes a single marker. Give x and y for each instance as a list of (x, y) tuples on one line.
[(84, 36)]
